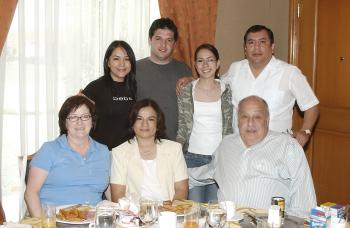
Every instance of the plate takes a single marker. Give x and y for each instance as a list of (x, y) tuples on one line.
[(73, 222), (237, 217), (178, 207)]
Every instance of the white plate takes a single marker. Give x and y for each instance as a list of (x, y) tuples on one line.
[(238, 217), (72, 222)]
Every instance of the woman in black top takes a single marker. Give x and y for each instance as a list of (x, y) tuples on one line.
[(114, 93)]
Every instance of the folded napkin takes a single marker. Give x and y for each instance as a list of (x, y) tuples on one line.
[(107, 203), (15, 225), (34, 222)]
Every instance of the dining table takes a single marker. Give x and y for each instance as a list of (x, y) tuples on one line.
[(250, 219)]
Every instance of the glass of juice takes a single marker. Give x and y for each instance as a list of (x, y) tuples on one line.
[(48, 216), (191, 217)]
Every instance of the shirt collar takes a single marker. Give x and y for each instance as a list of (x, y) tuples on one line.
[(63, 142), (259, 144)]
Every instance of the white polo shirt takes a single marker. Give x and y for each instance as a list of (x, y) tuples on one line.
[(280, 84)]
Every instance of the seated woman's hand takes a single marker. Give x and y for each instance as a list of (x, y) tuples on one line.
[(167, 204)]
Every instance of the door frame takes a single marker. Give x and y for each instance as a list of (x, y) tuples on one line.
[(302, 49)]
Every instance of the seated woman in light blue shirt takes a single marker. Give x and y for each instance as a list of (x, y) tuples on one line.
[(73, 168)]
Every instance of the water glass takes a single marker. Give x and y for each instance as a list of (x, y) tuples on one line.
[(105, 217), (48, 216), (148, 211), (191, 217), (216, 216), (230, 208)]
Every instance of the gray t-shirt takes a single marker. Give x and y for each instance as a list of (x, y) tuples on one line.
[(158, 82)]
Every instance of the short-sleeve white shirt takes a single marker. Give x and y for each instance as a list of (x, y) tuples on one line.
[(280, 84)]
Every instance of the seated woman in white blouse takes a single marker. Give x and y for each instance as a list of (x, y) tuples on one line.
[(147, 164)]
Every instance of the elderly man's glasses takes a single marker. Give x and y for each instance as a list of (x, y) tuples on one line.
[(84, 117), (206, 61)]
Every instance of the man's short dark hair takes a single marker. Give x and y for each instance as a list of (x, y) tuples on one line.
[(163, 23), (258, 28)]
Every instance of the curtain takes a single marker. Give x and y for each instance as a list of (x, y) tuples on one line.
[(199, 29), (7, 10), (53, 49)]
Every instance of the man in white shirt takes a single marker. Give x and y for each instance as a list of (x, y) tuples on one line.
[(255, 164), (277, 82)]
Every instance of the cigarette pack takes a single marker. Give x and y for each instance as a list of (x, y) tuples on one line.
[(318, 218), (337, 211)]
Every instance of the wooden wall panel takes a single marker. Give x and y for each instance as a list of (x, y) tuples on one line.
[(324, 53), (331, 157), (331, 167), (334, 119)]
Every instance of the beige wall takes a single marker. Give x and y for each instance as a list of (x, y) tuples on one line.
[(236, 16)]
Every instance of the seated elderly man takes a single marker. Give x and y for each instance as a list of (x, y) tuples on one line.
[(257, 164)]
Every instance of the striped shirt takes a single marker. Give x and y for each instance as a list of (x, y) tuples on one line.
[(250, 176)]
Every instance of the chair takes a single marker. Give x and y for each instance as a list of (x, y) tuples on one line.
[(23, 163)]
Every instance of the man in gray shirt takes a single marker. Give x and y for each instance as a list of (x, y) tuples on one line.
[(256, 164), (157, 74)]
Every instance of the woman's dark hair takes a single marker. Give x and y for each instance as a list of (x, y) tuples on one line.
[(210, 48), (70, 105), (160, 133), (130, 78)]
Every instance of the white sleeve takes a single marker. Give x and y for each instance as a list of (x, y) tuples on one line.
[(301, 90)]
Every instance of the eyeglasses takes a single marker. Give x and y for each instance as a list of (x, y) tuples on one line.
[(260, 43), (84, 117), (206, 61)]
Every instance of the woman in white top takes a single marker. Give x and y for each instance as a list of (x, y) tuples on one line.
[(205, 116), (147, 164)]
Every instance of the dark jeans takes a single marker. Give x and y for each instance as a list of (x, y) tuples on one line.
[(201, 193)]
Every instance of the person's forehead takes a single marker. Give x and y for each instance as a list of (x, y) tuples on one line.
[(119, 50), (252, 106), (258, 35), (165, 33), (205, 52), (147, 110)]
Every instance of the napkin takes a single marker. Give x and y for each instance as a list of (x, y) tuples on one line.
[(15, 225), (34, 222), (107, 203)]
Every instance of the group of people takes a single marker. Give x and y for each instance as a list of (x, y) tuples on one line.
[(149, 129)]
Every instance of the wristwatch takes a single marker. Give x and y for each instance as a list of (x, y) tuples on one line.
[(307, 131)]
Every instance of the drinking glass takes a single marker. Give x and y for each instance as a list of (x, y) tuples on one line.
[(148, 211), (216, 216), (105, 217), (191, 217), (48, 216)]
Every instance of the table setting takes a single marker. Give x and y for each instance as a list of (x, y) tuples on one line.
[(150, 214)]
